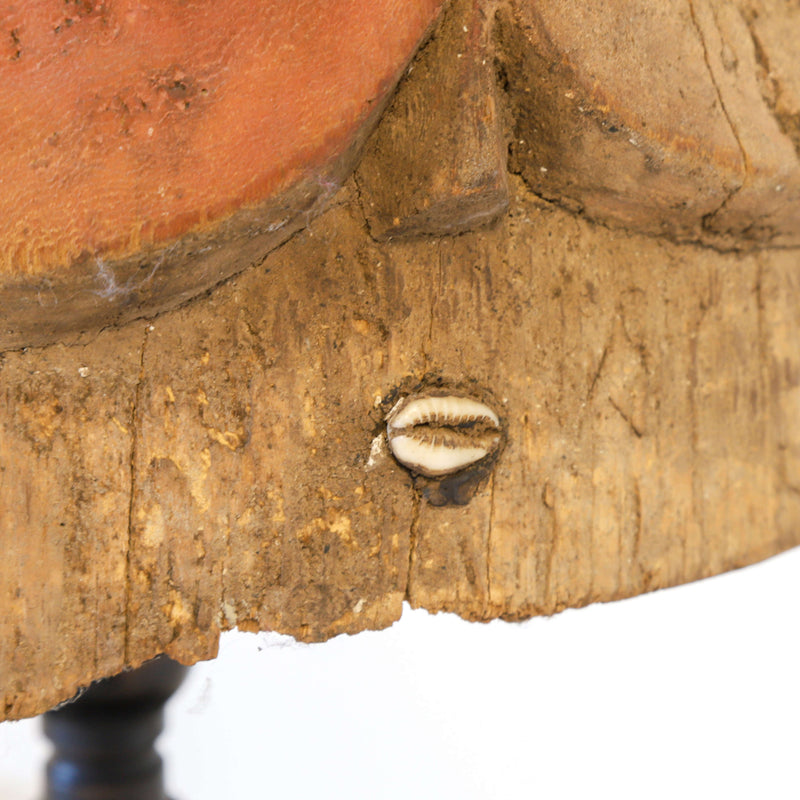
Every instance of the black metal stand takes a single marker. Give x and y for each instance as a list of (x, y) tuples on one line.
[(105, 738)]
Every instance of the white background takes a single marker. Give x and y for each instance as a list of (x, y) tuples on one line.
[(692, 692)]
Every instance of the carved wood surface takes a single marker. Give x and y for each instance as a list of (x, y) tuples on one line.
[(225, 463), (676, 118), (151, 151)]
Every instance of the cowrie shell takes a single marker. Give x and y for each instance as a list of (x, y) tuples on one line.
[(440, 434)]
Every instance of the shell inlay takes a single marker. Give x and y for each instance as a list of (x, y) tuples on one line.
[(436, 435)]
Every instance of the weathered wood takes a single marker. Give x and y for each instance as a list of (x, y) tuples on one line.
[(225, 463), (438, 163), (660, 117), (65, 455), (651, 420)]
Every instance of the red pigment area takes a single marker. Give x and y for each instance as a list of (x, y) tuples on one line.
[(126, 123)]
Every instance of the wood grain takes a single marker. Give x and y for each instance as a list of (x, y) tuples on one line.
[(225, 464), (673, 118), (437, 164)]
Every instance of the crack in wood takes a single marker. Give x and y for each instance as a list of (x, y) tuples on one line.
[(134, 422), (637, 432), (709, 218), (413, 533)]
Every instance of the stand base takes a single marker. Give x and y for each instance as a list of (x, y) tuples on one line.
[(105, 738)]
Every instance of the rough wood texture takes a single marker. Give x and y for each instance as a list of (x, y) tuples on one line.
[(677, 118), (225, 463), (438, 165), (216, 470)]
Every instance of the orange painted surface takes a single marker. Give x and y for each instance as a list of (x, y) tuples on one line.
[(126, 122)]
